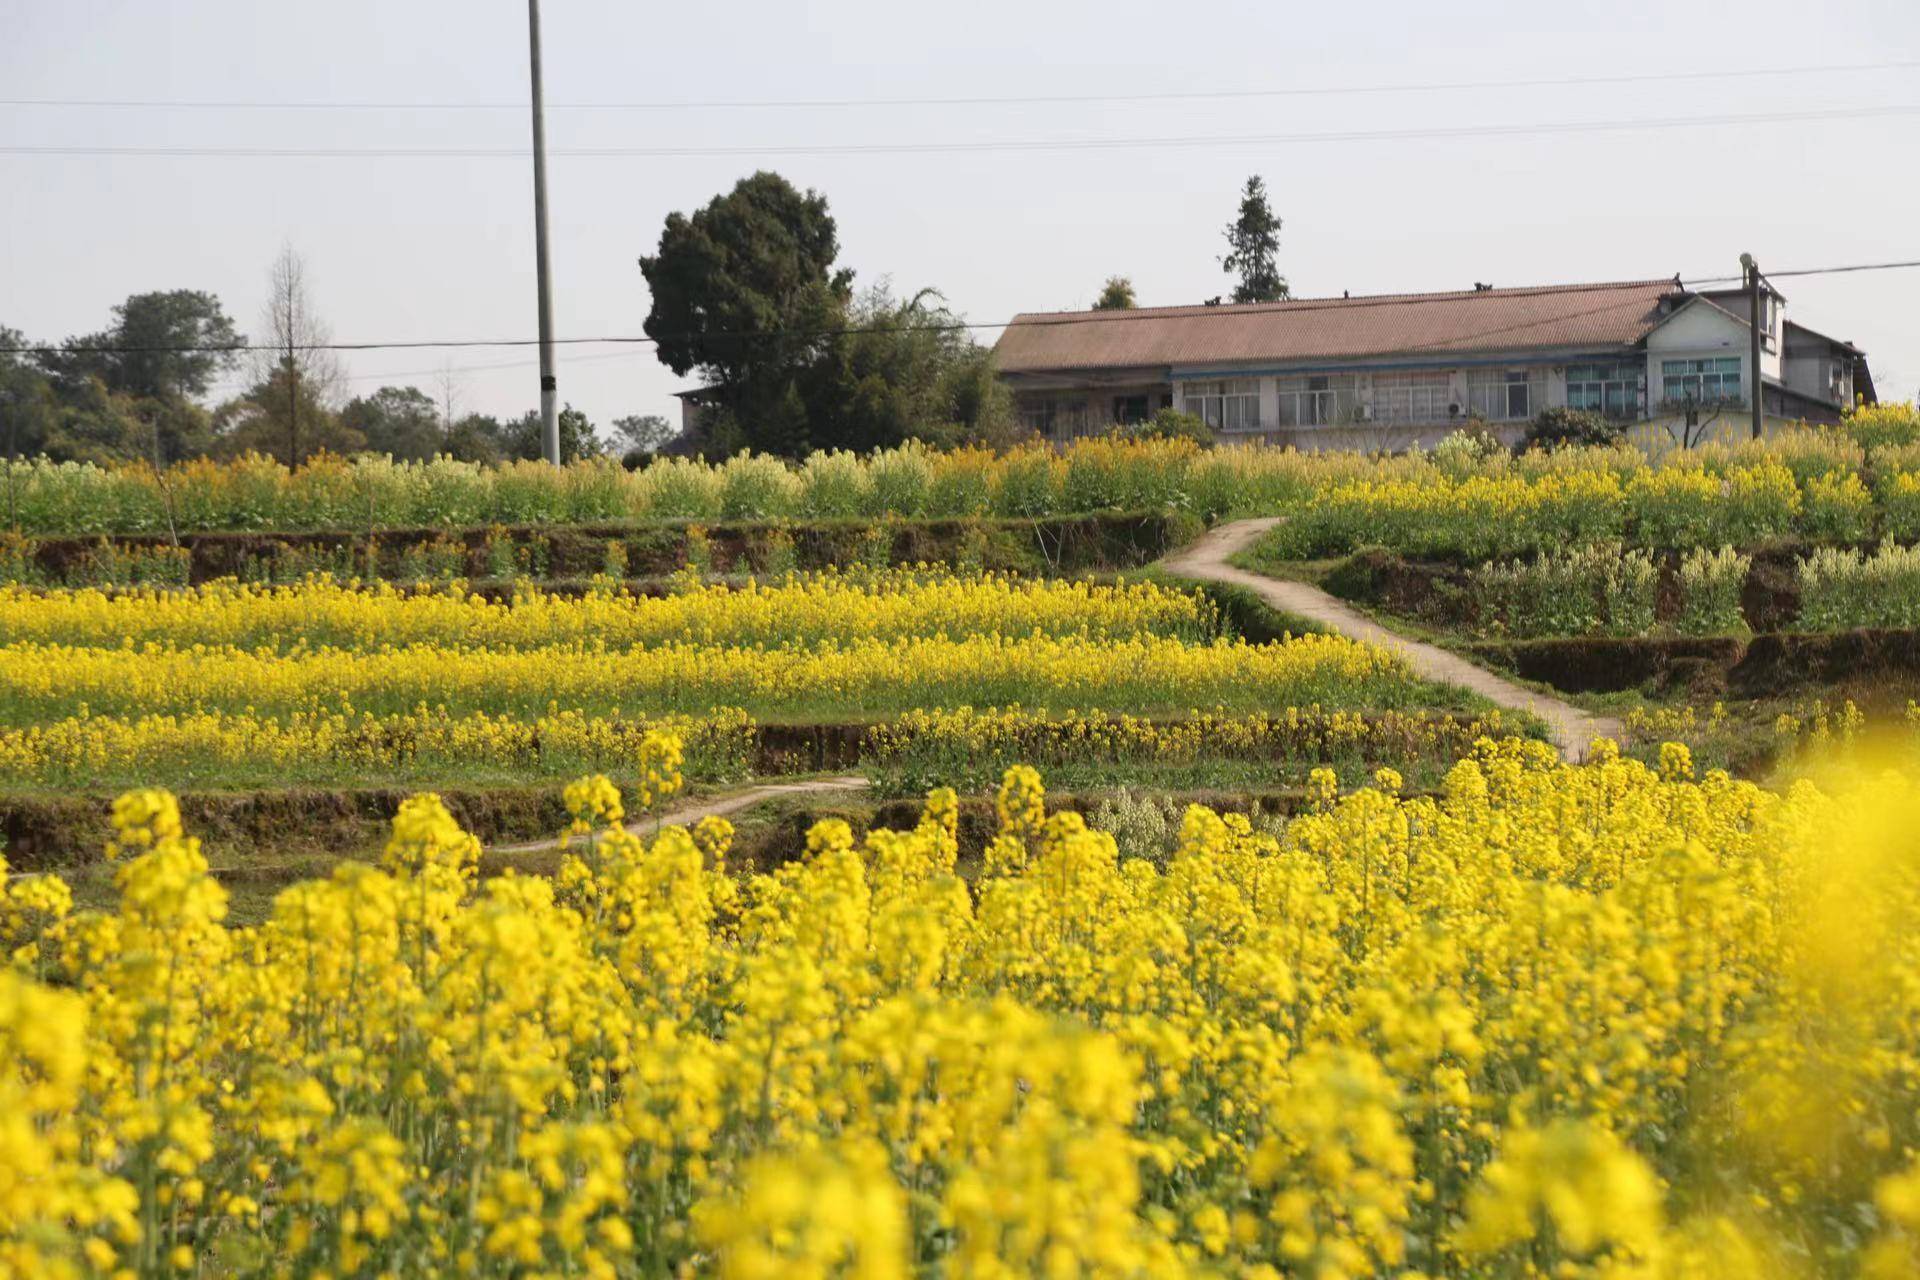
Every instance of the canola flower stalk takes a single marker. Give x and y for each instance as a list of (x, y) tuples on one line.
[(1597, 1020)]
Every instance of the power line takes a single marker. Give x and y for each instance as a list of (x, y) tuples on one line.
[(241, 380), (1202, 95), (1038, 320), (994, 145), (1043, 319), (1816, 271)]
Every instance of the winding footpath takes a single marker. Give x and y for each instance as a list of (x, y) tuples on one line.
[(1571, 729), (690, 812)]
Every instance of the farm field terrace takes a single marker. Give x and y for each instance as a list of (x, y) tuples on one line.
[(226, 684), (1805, 481), (1720, 597)]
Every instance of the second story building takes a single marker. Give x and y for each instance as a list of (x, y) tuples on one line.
[(1402, 370)]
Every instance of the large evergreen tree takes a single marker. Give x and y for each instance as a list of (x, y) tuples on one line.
[(1253, 247), (745, 290), (161, 345)]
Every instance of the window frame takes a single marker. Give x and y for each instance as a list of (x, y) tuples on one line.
[(1605, 377), (1690, 374), (1313, 399), (1223, 404), (1428, 393), (1039, 415), (1487, 387)]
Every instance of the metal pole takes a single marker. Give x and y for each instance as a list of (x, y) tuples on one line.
[(13, 433), (1753, 342), (549, 413)]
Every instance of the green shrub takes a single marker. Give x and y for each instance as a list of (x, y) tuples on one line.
[(1169, 424), (1559, 427)]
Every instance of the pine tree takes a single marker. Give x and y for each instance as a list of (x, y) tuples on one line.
[(1253, 241)]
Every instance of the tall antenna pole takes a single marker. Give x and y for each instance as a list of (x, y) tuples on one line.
[(549, 419)]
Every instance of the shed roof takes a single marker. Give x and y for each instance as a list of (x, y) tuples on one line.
[(1547, 316)]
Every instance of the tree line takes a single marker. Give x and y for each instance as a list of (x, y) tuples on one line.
[(1252, 257), (141, 390), (747, 293)]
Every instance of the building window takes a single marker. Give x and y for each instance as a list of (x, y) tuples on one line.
[(1232, 404), (1715, 380), (1840, 388), (1315, 400), (1411, 397), (1500, 395), (1129, 410), (1057, 419), (1037, 415), (1610, 389)]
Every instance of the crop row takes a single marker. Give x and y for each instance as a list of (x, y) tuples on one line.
[(868, 677), (250, 749), (1592, 1020), (1479, 517), (800, 611), (1603, 589), (910, 482)]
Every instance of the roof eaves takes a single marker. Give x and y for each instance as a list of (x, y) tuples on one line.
[(1295, 304), (1692, 301)]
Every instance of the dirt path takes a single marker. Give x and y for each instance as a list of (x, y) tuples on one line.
[(1571, 728), (685, 815)]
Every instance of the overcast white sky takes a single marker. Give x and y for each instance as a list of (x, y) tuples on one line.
[(424, 248)]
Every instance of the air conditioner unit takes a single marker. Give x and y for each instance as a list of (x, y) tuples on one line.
[(1366, 413), (1453, 410)]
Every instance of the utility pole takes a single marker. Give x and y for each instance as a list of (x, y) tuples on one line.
[(7, 397), (549, 419), (1753, 341)]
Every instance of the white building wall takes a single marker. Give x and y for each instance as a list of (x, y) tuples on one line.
[(1556, 387), (1698, 333)]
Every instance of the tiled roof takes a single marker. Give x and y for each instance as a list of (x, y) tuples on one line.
[(1575, 315)]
